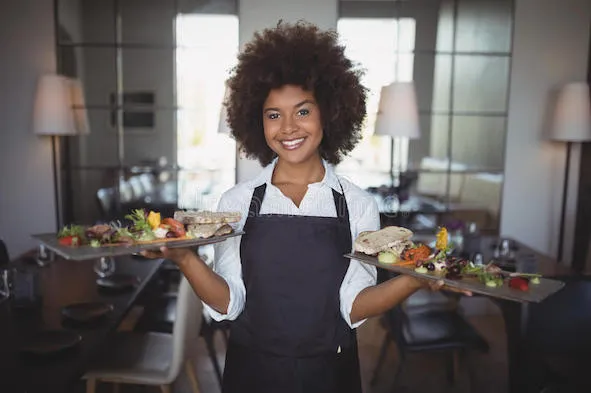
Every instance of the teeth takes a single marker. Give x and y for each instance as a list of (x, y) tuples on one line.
[(293, 142)]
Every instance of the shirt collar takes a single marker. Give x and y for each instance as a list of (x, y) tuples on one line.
[(330, 177)]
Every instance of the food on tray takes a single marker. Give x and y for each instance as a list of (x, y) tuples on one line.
[(389, 238), (206, 217), (392, 246), (146, 227)]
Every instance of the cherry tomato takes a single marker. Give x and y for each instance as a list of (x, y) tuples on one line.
[(70, 241), (519, 283)]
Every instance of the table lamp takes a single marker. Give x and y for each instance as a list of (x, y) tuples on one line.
[(571, 123), (398, 117)]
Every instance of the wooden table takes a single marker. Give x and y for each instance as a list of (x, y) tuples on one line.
[(516, 314), (65, 282)]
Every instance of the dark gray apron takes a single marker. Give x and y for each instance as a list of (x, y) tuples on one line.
[(291, 336)]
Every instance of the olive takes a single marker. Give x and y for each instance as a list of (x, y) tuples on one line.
[(170, 234), (430, 266)]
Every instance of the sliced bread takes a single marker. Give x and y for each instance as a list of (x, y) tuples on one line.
[(372, 242), (206, 217)]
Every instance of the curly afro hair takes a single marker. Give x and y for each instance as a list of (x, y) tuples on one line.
[(297, 54)]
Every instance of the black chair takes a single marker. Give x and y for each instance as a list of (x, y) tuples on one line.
[(4, 257), (428, 328), (558, 335)]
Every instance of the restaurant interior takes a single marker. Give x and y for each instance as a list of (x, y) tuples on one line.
[(115, 105)]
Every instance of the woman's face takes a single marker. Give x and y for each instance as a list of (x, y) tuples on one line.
[(291, 120)]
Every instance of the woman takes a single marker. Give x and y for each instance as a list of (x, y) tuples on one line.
[(297, 105)]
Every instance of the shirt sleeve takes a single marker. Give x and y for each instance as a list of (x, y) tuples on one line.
[(359, 275), (228, 266)]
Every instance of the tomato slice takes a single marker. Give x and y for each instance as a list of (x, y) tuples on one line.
[(70, 241), (175, 226)]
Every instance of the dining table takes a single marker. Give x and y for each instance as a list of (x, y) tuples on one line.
[(58, 284), (522, 258)]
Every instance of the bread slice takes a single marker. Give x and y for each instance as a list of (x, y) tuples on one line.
[(204, 231), (206, 217), (372, 242)]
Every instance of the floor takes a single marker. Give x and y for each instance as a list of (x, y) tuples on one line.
[(483, 373)]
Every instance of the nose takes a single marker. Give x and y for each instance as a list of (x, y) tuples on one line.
[(289, 125)]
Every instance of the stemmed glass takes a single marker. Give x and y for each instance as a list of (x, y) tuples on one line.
[(104, 266)]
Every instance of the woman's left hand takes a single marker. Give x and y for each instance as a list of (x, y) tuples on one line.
[(439, 285)]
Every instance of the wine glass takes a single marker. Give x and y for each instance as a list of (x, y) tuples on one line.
[(104, 266)]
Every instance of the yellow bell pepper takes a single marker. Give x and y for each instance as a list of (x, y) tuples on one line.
[(441, 243), (154, 220)]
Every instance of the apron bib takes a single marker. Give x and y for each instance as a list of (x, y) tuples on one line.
[(291, 336)]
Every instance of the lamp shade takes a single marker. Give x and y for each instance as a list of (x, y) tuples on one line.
[(53, 113), (398, 112), (572, 115), (223, 126)]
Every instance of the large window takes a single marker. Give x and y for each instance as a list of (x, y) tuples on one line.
[(153, 75), (457, 53), (385, 60), (206, 156)]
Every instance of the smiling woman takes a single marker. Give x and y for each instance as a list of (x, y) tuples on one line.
[(296, 104)]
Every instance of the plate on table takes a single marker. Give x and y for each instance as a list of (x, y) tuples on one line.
[(118, 281), (49, 342), (535, 293), (86, 312), (86, 252)]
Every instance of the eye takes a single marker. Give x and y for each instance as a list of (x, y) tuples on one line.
[(273, 116), (303, 112)]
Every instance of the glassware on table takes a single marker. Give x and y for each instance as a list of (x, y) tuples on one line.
[(5, 283), (44, 256), (478, 259), (104, 266)]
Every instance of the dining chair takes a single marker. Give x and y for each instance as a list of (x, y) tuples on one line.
[(4, 257), (152, 358), (425, 328)]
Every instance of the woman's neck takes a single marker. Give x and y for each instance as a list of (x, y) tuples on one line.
[(311, 171)]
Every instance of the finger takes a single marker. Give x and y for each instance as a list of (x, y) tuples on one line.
[(436, 285), (151, 254), (457, 290)]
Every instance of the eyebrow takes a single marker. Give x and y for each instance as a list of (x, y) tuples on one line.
[(299, 104)]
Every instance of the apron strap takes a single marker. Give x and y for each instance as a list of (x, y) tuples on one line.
[(340, 203), (257, 200)]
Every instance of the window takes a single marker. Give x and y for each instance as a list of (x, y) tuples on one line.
[(207, 157), (384, 61)]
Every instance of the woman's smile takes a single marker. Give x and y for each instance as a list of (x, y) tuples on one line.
[(292, 144)]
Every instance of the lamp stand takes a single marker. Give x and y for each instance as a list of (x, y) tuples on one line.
[(57, 179), (564, 199), (392, 163)]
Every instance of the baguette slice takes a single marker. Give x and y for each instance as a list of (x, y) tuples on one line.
[(372, 242), (206, 217), (204, 231)]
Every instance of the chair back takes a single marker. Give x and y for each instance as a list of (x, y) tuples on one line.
[(4, 258), (137, 187), (148, 182), (106, 200), (186, 326)]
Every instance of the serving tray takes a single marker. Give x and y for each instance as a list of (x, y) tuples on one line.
[(87, 252), (536, 293)]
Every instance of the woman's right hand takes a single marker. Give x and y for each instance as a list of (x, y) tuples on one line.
[(179, 256)]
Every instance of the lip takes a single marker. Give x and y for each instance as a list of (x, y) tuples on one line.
[(292, 144)]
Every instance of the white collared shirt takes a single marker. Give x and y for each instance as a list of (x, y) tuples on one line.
[(318, 201)]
